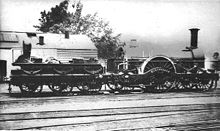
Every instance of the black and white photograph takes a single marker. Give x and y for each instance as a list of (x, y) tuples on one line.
[(110, 65)]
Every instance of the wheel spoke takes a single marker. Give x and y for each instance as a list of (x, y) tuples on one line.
[(164, 66)]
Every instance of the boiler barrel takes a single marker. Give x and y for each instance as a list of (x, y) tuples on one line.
[(173, 49)]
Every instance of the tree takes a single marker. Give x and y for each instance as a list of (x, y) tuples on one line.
[(59, 20), (56, 16)]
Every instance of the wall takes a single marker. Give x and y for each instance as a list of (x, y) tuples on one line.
[(44, 53), (10, 55)]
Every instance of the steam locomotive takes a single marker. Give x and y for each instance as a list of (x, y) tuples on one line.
[(153, 74)]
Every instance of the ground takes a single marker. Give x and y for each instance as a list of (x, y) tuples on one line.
[(110, 111)]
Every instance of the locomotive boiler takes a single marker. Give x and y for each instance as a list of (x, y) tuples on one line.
[(157, 73)]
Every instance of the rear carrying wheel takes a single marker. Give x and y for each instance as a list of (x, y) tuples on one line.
[(205, 84)]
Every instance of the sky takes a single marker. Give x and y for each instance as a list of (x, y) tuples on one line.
[(163, 23)]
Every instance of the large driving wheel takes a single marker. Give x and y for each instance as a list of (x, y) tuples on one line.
[(160, 70), (161, 81), (161, 62)]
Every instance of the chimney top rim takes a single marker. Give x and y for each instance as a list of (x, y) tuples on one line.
[(194, 29)]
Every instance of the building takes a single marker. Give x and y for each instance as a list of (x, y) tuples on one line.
[(44, 45)]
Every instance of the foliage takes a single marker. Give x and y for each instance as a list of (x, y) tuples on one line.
[(59, 20), (56, 16)]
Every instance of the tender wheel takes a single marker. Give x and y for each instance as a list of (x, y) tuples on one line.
[(89, 87), (55, 88), (83, 88), (60, 88), (128, 89), (114, 86), (31, 88), (95, 87), (68, 89)]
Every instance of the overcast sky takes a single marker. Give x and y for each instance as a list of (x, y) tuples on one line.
[(149, 21)]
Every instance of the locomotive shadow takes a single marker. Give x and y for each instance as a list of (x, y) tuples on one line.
[(78, 93), (49, 94)]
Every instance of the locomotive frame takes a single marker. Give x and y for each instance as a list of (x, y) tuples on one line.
[(157, 74)]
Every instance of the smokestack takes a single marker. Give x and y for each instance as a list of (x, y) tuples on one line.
[(194, 38), (41, 40), (67, 35)]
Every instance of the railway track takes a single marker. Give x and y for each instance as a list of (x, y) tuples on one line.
[(101, 117), (145, 111), (16, 97)]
